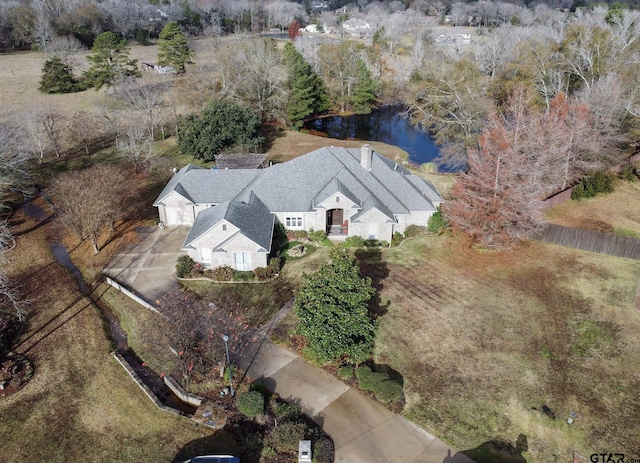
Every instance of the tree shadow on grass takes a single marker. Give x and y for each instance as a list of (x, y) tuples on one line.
[(373, 266), (493, 452), (271, 133)]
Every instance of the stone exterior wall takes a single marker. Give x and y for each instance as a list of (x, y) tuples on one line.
[(239, 244)]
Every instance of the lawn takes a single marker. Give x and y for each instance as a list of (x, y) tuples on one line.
[(495, 337), (617, 212), (80, 405)]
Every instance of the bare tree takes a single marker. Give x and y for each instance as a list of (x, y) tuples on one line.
[(91, 200), (53, 124), (67, 49), (15, 175), (145, 100), (11, 297), (261, 78), (450, 100), (15, 172), (36, 140), (110, 118), (84, 129), (136, 146)]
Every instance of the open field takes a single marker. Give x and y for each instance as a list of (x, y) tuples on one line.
[(496, 336)]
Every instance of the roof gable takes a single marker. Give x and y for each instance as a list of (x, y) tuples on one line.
[(253, 220)]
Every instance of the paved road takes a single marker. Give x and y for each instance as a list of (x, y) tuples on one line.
[(363, 431)]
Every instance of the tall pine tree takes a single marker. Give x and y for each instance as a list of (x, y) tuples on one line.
[(110, 61), (363, 97), (173, 48), (307, 91)]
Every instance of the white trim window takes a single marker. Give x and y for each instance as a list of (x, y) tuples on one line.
[(293, 221), (242, 261)]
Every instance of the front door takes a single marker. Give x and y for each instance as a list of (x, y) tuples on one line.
[(335, 217)]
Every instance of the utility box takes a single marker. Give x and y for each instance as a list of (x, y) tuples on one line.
[(304, 451)]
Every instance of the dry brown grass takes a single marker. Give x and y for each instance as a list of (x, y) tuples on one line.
[(80, 405), (617, 212), (491, 343)]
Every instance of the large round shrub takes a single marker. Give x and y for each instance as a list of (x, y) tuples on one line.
[(250, 404), (184, 266), (388, 391)]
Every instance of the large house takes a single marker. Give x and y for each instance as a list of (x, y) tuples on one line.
[(346, 192)]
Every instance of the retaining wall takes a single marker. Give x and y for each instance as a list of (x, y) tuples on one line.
[(183, 395), (130, 293), (121, 360)]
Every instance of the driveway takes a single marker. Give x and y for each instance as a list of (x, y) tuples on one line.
[(146, 262), (362, 429)]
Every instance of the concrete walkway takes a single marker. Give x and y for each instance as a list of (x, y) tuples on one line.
[(362, 429)]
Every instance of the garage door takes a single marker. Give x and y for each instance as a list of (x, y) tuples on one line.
[(179, 215)]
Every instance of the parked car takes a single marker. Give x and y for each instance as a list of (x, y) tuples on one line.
[(213, 459)]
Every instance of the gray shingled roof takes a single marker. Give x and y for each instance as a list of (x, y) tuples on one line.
[(297, 185), (253, 219), (240, 161)]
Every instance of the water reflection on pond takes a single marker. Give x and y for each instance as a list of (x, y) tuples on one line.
[(387, 124)]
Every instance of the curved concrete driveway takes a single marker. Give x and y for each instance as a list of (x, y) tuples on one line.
[(362, 430)]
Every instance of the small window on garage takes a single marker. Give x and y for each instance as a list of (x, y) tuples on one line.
[(224, 227)]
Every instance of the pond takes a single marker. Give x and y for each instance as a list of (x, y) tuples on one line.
[(387, 124)]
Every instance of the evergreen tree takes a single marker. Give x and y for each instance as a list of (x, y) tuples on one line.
[(173, 48), (222, 125), (307, 91), (333, 309), (110, 61), (58, 77), (363, 97)]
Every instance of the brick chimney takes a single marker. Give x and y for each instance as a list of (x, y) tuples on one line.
[(366, 156)]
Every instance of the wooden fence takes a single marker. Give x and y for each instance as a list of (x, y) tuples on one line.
[(593, 241)]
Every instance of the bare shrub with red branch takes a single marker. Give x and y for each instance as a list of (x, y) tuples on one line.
[(195, 328)]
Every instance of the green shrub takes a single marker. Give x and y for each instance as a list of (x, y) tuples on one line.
[(280, 234), (260, 387), (368, 379), (250, 404), (184, 266), (627, 173), (437, 222), (271, 270), (396, 239), (353, 242), (223, 273), (317, 236), (286, 437), (268, 452), (413, 230), (591, 185), (388, 391), (286, 411), (297, 235), (346, 371), (243, 275)]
